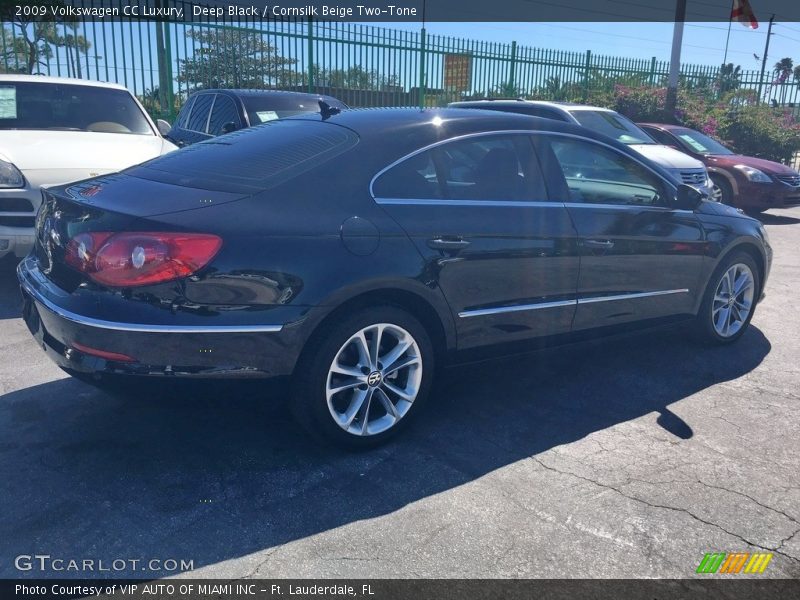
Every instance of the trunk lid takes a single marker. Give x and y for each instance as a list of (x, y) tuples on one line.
[(112, 203)]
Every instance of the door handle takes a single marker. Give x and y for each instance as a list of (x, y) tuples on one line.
[(448, 243), (599, 244)]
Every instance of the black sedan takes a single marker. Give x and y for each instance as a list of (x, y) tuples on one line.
[(360, 251), (210, 113)]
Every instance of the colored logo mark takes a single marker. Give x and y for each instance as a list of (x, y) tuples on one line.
[(734, 562)]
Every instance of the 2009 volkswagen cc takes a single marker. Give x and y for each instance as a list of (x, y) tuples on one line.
[(358, 251)]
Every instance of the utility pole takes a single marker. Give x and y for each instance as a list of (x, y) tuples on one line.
[(764, 59), (675, 60)]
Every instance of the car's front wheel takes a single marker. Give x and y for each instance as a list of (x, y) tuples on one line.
[(365, 377), (729, 299)]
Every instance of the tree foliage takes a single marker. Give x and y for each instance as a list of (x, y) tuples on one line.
[(354, 78), (28, 45), (226, 58)]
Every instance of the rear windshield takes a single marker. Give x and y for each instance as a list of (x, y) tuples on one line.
[(251, 160), (68, 107), (268, 107), (613, 125)]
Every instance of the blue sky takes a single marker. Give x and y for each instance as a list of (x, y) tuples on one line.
[(703, 43)]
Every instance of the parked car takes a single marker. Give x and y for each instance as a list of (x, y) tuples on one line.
[(359, 252), (55, 130), (210, 113), (752, 184), (681, 166)]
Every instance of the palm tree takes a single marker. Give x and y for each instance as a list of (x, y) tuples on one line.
[(783, 68)]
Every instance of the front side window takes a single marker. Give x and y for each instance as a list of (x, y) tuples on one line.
[(497, 168), (68, 107), (597, 174), (224, 114)]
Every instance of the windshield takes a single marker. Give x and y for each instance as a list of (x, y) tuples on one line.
[(268, 107), (68, 107), (613, 125), (699, 142)]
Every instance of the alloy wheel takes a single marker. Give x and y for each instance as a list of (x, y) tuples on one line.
[(374, 379), (733, 300), (716, 193)]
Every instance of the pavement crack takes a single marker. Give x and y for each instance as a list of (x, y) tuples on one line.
[(776, 550)]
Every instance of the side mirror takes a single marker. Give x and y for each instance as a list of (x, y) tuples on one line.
[(229, 127), (688, 197), (163, 126)]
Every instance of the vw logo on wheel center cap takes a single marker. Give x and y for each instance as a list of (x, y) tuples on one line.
[(374, 378)]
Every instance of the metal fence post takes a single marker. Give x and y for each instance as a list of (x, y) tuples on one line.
[(652, 77), (169, 75), (422, 78), (587, 67), (310, 55), (512, 69)]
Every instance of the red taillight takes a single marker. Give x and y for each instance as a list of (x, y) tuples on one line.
[(105, 354), (140, 258)]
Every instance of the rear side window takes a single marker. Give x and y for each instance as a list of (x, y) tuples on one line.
[(489, 168), (659, 136), (183, 116), (253, 159), (597, 174), (198, 118), (223, 113)]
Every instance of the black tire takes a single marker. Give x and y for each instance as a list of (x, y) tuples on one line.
[(705, 329), (726, 196), (309, 403)]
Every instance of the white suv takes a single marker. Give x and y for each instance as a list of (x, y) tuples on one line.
[(683, 167), (56, 130)]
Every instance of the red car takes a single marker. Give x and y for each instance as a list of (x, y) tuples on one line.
[(752, 184)]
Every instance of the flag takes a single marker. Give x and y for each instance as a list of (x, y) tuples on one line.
[(742, 12)]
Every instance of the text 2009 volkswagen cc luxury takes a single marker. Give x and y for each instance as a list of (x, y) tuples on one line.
[(356, 251)]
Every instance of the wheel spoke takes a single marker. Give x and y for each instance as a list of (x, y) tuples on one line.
[(346, 386), (346, 370), (388, 359), (720, 324), (743, 284), (374, 346), (401, 364), (396, 390), (367, 405), (363, 350), (355, 407), (387, 403)]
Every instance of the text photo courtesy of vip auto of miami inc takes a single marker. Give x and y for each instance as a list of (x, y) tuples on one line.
[(410, 299)]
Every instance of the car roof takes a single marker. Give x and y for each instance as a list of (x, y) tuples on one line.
[(59, 80), (521, 101), (415, 128), (273, 93), (666, 126)]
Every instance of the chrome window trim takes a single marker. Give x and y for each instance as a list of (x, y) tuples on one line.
[(519, 203), (382, 200), (142, 328), (588, 300)]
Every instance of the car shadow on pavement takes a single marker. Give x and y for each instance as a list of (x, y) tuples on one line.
[(770, 219), (10, 298), (214, 471)]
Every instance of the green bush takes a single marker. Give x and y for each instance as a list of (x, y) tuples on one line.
[(735, 119)]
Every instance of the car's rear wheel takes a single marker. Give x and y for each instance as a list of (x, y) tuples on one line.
[(364, 378), (729, 300)]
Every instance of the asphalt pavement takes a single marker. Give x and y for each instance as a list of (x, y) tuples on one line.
[(631, 458)]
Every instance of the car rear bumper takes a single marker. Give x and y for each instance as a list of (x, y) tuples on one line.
[(156, 349)]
